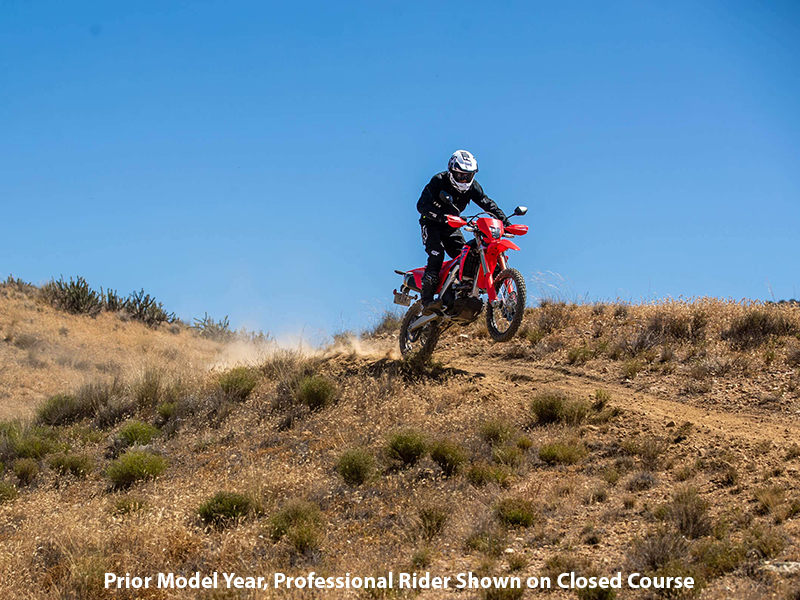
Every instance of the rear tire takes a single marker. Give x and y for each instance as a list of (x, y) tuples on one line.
[(421, 343), (504, 321)]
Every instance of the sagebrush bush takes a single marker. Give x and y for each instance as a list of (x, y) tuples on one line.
[(643, 480), (7, 492), (356, 466), (449, 455), (718, 557), (488, 538), (764, 541), (432, 519), (28, 442), (558, 407), (79, 465), (689, 513), (137, 433), (300, 522), (239, 382), (316, 391), (225, 509), (407, 446), (482, 473), (133, 466), (515, 512), (86, 402), (62, 409), (125, 505), (566, 453), (656, 549), (496, 431), (26, 470), (756, 327)]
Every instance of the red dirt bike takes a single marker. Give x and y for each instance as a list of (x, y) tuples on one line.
[(481, 268)]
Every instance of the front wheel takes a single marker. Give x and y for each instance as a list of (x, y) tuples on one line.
[(421, 342), (504, 318)]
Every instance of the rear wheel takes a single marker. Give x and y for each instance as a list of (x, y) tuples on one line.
[(421, 342), (504, 318)]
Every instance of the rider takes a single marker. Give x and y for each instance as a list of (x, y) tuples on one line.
[(459, 183)]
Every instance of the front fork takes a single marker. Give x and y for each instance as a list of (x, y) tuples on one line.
[(502, 261)]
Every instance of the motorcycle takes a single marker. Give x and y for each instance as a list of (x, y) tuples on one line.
[(481, 268)]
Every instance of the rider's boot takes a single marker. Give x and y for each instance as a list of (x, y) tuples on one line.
[(429, 305)]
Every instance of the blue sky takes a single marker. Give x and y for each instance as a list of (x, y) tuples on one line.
[(263, 160)]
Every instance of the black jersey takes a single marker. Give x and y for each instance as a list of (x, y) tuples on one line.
[(431, 207)]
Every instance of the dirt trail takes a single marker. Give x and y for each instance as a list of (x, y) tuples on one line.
[(752, 427)]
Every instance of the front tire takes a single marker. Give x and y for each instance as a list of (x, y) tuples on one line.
[(504, 320), (421, 343)]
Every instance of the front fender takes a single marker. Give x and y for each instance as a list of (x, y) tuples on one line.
[(506, 244)]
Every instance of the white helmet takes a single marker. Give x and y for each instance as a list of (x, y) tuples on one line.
[(462, 168)]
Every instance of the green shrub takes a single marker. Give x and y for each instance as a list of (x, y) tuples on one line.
[(90, 398), (7, 492), (764, 541), (448, 455), (406, 446), (562, 453), (580, 355), (78, 465), (643, 480), (26, 470), (300, 523), (74, 297), (356, 466), (432, 521), (516, 512), (33, 442), (689, 513), (631, 368), (482, 473), (137, 433), (511, 456), (62, 409), (126, 505), (166, 411), (496, 431), (148, 389), (488, 538), (225, 509), (239, 382), (718, 557), (316, 391), (656, 550), (756, 327), (557, 407), (133, 466)]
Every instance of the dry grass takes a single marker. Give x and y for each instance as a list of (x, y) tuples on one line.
[(449, 468)]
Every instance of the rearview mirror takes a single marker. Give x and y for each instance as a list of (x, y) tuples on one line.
[(445, 197), (520, 210)]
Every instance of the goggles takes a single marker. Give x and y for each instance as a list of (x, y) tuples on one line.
[(461, 177)]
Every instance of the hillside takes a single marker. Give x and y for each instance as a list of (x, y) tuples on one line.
[(45, 351), (659, 439)]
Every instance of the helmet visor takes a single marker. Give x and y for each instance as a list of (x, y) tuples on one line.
[(461, 177)]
